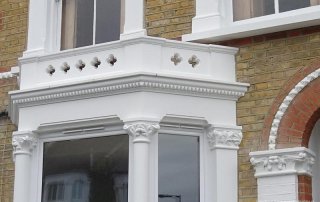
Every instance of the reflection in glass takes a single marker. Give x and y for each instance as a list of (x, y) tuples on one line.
[(288, 5), (245, 9), (108, 20), (86, 170), (179, 179)]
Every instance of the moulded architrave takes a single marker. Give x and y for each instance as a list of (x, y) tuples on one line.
[(304, 17), (163, 86)]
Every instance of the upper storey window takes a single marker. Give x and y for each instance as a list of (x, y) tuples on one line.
[(246, 9), (89, 22)]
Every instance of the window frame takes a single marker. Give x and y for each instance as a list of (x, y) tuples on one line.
[(54, 26), (200, 132), (196, 132)]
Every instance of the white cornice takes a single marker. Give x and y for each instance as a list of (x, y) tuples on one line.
[(128, 84), (282, 162), (285, 104)]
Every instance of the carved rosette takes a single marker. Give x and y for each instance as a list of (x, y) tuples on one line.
[(224, 137), (23, 142), (296, 160), (141, 131)]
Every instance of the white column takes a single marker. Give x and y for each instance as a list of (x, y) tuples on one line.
[(277, 172), (222, 182), (133, 19), (37, 27), (141, 133), (23, 144)]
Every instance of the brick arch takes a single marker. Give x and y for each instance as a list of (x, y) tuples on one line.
[(294, 129), (298, 121)]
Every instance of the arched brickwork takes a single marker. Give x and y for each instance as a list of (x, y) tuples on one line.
[(301, 115), (298, 121)]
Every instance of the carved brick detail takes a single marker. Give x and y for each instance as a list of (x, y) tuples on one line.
[(224, 137)]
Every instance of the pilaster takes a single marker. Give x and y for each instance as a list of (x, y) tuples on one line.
[(141, 133), (278, 172), (23, 143), (223, 144), (134, 20)]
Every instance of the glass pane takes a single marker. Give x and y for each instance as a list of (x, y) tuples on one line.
[(179, 179), (108, 20), (84, 26), (288, 5), (86, 170), (77, 23), (245, 9)]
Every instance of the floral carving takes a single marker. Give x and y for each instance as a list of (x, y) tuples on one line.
[(80, 65), (96, 62), (23, 143), (301, 161), (65, 67), (224, 137), (50, 70), (141, 129)]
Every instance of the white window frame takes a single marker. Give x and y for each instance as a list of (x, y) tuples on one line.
[(196, 132), (37, 165), (44, 25), (219, 15)]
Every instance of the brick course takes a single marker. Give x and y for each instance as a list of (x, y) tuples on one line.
[(267, 62), (169, 19), (13, 32)]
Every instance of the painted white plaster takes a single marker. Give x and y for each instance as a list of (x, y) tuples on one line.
[(277, 172)]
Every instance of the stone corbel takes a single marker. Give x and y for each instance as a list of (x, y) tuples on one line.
[(283, 161), (224, 137), (23, 142), (141, 131)]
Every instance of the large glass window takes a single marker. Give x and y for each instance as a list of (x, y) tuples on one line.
[(88, 22), (179, 172), (86, 170), (245, 9)]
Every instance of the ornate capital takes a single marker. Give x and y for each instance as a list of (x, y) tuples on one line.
[(282, 161), (23, 142), (222, 137), (141, 131)]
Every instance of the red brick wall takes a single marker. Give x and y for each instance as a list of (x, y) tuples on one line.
[(305, 188)]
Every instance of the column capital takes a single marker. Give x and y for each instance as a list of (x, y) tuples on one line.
[(297, 161), (141, 130), (227, 137), (23, 142)]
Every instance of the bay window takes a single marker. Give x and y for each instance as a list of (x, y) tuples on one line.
[(255, 8)]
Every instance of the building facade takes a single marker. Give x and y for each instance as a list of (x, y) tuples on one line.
[(112, 105)]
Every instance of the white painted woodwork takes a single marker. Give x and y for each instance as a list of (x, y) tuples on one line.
[(277, 172), (214, 22)]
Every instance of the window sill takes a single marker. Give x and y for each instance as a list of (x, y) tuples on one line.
[(261, 25)]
